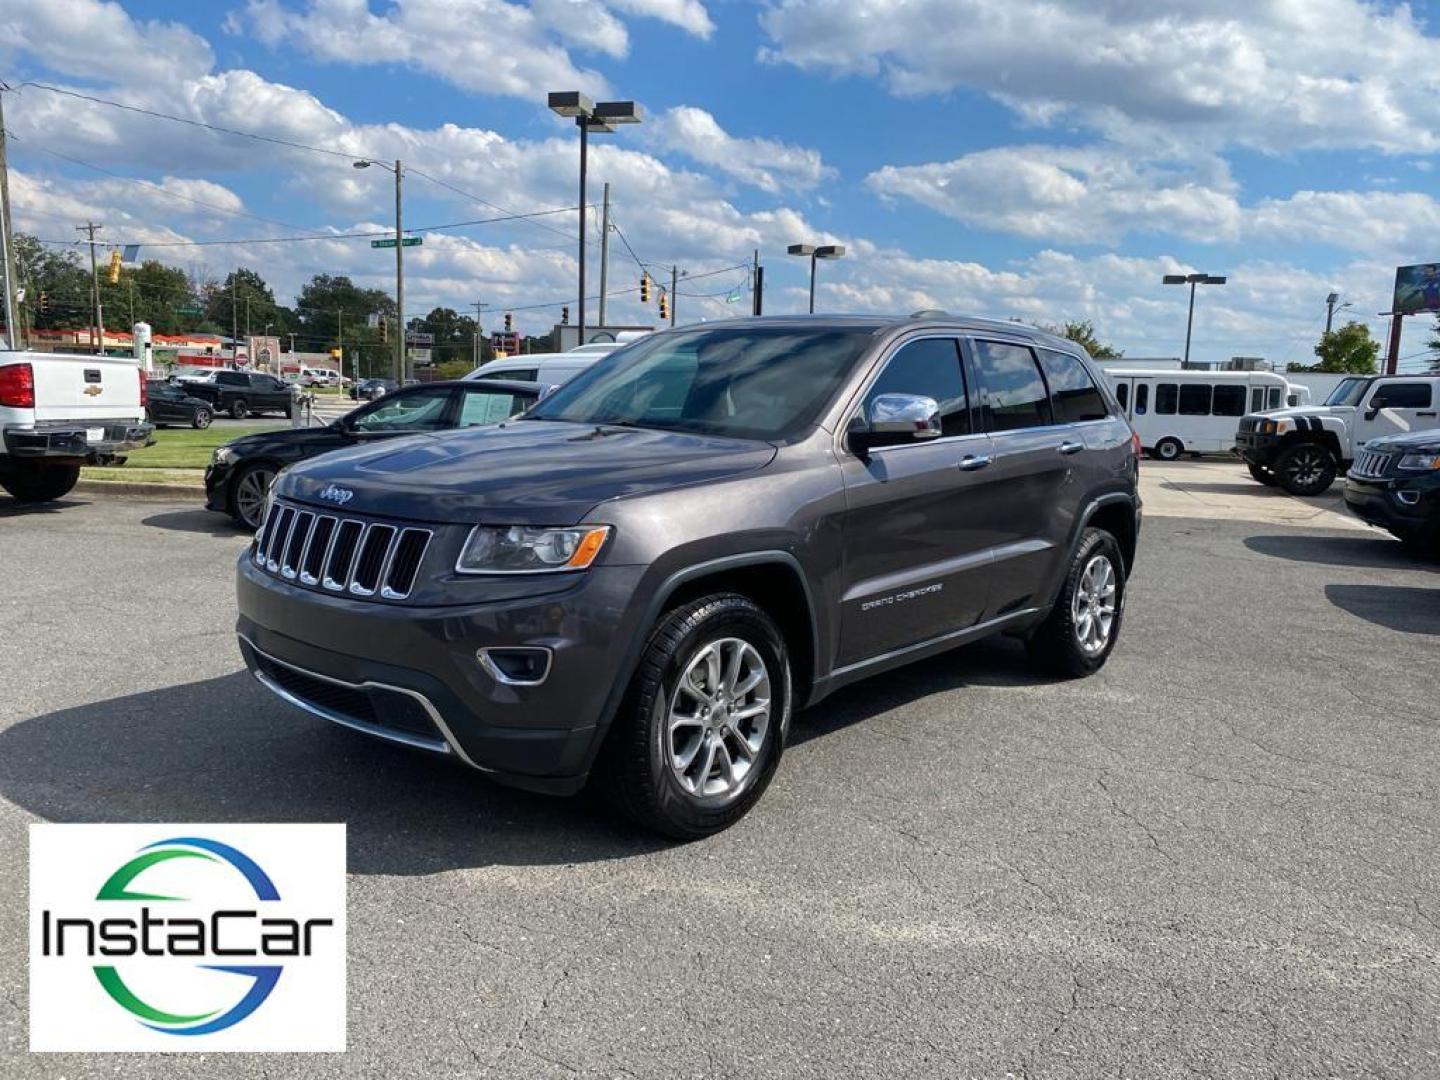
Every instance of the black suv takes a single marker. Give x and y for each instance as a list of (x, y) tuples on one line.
[(240, 393), (640, 578), (1394, 482)]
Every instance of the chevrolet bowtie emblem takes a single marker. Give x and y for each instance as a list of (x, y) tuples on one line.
[(91, 391)]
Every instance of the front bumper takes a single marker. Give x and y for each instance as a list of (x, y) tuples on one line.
[(69, 441), (1408, 506), (1257, 449), (412, 674), (217, 486)]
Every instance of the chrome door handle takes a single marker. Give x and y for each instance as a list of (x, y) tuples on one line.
[(1071, 447), (971, 462)]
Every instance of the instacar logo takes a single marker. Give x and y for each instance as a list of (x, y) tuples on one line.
[(188, 943)]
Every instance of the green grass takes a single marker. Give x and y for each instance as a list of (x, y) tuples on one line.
[(186, 448)]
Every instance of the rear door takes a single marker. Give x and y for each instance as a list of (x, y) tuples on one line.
[(83, 387), (916, 559), (481, 405), (1033, 456), (269, 392)]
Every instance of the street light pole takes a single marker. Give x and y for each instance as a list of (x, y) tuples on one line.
[(399, 282), (822, 251), (1192, 280), (601, 118)]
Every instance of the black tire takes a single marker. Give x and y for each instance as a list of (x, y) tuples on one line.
[(40, 483), (244, 506), (202, 419), (1306, 468), (1265, 476), (1055, 645), (239, 409), (638, 773), (1169, 449)]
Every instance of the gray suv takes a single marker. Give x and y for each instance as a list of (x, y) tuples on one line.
[(639, 580)]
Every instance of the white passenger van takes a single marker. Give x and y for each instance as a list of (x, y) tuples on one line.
[(553, 368), (1194, 412)]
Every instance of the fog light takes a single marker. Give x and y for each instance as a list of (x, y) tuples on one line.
[(520, 666), (1409, 498)]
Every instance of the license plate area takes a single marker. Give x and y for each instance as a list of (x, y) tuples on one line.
[(95, 434)]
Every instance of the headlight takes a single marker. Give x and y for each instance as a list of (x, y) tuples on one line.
[(523, 549), (223, 455), (1420, 461), (1268, 427)]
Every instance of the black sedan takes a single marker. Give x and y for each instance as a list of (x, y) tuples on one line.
[(240, 472), (167, 403), (370, 389)]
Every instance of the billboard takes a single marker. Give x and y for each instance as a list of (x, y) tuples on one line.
[(1417, 288)]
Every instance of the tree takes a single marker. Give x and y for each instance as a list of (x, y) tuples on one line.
[(1350, 350), (152, 293), (61, 277), (1082, 332), (331, 305)]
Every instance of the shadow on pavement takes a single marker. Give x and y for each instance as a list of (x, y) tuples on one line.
[(195, 521), (10, 508), (998, 661), (225, 750), (1378, 552), (1395, 607)]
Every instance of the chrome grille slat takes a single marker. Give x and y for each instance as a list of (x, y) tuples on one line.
[(339, 554), (1371, 463)]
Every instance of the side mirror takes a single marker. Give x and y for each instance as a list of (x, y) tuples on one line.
[(1374, 410), (895, 418)]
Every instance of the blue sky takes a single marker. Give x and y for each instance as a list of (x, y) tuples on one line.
[(1007, 157)]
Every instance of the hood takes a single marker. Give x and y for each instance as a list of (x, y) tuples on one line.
[(289, 438), (526, 472), (1307, 410), (1406, 441)]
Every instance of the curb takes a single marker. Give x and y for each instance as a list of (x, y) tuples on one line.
[(140, 490)]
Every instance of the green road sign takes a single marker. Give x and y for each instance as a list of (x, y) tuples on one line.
[(409, 241), (188, 310)]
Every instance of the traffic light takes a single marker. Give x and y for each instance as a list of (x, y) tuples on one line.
[(384, 329), (644, 288), (509, 323), (564, 316), (114, 273), (44, 302), (664, 306)]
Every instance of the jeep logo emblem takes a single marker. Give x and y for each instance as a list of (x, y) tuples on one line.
[(336, 494)]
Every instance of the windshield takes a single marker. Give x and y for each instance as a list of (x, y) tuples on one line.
[(1349, 392), (749, 383)]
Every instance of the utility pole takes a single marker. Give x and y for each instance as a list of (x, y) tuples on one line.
[(1330, 302), (399, 285), (234, 320), (674, 293), (7, 239), (479, 307), (758, 283), (90, 229), (604, 249)]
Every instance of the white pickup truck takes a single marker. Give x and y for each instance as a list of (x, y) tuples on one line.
[(59, 412)]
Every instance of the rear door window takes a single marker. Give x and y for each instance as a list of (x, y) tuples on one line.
[(1074, 397), (1013, 392), (1122, 394), (491, 406)]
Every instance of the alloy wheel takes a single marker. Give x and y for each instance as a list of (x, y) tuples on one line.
[(719, 717), (1307, 466), (1092, 609), (250, 495)]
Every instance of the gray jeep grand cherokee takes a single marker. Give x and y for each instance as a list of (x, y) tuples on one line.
[(639, 580)]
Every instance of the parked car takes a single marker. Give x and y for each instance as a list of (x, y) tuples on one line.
[(370, 389), (59, 412), (241, 472), (640, 578), (551, 368), (1303, 449), (240, 393), (1394, 483), (167, 403)]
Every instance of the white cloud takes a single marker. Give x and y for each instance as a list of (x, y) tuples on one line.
[(765, 163), (485, 46), (1071, 194), (1273, 76)]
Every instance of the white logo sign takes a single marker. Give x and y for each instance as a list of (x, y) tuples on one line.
[(199, 938)]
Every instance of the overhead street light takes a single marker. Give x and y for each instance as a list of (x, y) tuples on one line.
[(1192, 280), (822, 251), (601, 118), (365, 163)]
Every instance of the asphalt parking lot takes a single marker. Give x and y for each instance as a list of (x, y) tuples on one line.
[(1216, 858)]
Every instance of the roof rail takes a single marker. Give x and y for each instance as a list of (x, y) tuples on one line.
[(930, 313)]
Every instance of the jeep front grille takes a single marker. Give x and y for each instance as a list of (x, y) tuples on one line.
[(1370, 464), (340, 554)]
